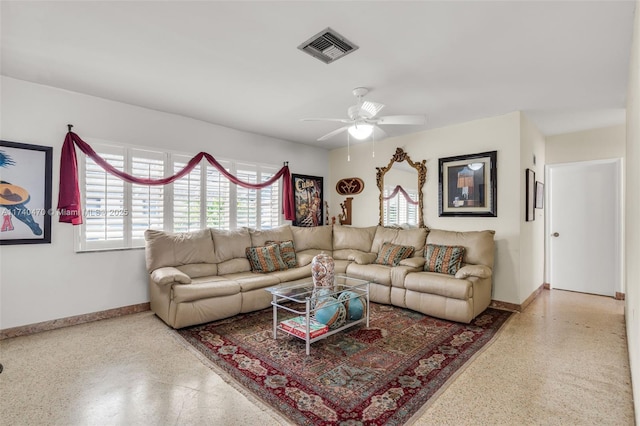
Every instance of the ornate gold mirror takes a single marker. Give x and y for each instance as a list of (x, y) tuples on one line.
[(400, 185)]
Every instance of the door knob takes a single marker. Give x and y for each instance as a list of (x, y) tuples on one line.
[(555, 234)]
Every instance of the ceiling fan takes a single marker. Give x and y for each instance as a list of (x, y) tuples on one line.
[(364, 120)]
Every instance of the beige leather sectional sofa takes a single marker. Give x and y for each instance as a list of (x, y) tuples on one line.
[(204, 276)]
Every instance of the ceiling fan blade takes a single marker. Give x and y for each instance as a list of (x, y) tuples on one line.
[(370, 109), (380, 134), (331, 134), (402, 119), (339, 120)]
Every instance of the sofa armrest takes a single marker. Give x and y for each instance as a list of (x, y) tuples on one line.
[(169, 274), (480, 271), (414, 262)]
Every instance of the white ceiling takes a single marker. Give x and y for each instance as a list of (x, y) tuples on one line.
[(564, 63)]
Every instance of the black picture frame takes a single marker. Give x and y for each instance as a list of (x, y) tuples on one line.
[(25, 193), (468, 185), (530, 195), (308, 200), (539, 195)]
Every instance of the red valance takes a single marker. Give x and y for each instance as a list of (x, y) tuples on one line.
[(69, 206), (400, 189)]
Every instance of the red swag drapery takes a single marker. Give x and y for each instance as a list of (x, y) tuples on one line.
[(69, 206), (400, 189)]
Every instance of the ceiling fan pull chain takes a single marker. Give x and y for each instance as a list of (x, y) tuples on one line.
[(373, 149), (348, 148)]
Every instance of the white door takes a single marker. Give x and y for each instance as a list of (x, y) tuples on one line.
[(584, 236)]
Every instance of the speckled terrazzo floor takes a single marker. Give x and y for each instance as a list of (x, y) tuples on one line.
[(561, 362)]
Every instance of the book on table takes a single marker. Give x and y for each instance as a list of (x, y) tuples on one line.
[(298, 327)]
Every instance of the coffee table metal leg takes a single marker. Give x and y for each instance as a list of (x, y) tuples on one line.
[(275, 318)]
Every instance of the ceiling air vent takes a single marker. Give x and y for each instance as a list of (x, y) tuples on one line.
[(328, 46)]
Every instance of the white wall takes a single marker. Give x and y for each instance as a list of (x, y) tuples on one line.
[(500, 133), (587, 145), (50, 281), (532, 144), (632, 226)]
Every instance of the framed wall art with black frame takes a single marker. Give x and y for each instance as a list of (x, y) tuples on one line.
[(530, 195), (539, 195), (308, 200), (25, 193), (467, 185)]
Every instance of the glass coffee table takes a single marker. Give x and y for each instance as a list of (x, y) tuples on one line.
[(320, 303)]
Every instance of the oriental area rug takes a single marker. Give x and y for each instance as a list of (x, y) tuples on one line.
[(380, 375)]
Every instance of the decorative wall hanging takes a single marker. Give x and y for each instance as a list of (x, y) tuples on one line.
[(539, 195), (530, 176), (25, 193), (307, 200), (350, 186), (468, 185), (345, 216)]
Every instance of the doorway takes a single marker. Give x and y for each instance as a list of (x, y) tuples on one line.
[(583, 233)]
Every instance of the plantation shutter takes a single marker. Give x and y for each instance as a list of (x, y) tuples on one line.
[(186, 199), (147, 201), (246, 199), (104, 212), (269, 203), (218, 196)]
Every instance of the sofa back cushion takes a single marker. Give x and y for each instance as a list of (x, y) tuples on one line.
[(383, 235), (230, 244), (312, 238), (260, 237), (346, 237), (414, 237), (479, 245), (175, 249)]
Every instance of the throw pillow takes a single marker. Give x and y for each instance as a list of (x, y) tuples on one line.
[(443, 259), (287, 251), (392, 254), (265, 258)]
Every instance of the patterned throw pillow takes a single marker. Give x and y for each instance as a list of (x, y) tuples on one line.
[(287, 251), (265, 258), (443, 259), (392, 254)]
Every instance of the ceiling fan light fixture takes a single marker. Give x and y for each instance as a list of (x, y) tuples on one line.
[(475, 166), (361, 131)]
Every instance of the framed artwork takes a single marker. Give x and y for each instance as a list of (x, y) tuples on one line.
[(539, 195), (308, 200), (25, 193), (530, 195), (468, 185)]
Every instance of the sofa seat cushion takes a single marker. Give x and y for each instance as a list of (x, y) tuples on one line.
[(441, 284), (249, 281), (293, 274), (305, 257), (380, 274), (360, 257), (197, 270), (204, 288)]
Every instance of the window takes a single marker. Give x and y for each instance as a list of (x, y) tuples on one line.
[(116, 213), (397, 210)]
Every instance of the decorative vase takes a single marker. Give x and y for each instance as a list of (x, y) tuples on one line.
[(322, 270)]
